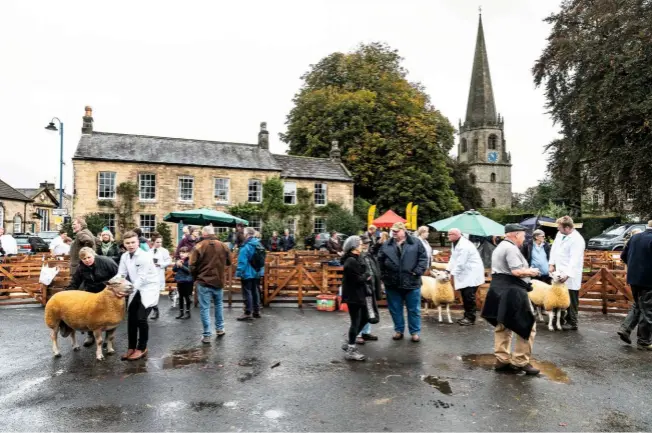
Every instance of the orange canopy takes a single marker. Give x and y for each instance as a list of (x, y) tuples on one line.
[(388, 219)]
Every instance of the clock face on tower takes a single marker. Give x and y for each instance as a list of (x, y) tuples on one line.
[(492, 157)]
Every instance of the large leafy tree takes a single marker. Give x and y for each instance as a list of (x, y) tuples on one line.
[(394, 142), (469, 195), (598, 84)]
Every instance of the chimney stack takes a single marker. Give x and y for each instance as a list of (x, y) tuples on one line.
[(47, 185), (263, 136), (336, 155), (87, 125)]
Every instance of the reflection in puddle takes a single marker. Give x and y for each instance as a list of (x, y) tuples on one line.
[(181, 358), (442, 385), (487, 361), (199, 406)]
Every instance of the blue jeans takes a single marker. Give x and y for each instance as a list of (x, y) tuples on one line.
[(205, 294), (366, 329), (412, 300)]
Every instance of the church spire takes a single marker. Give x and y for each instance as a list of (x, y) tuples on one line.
[(481, 108)]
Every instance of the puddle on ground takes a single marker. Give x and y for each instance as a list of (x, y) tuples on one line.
[(442, 385), (181, 358), (247, 362), (487, 361), (199, 406)]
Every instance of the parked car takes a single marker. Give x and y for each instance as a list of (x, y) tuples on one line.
[(322, 238), (30, 244), (613, 238), (48, 236)]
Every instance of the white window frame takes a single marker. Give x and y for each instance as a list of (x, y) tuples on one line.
[(141, 188), (144, 227), (324, 186), (227, 186), (291, 224), (290, 191), (322, 222), (259, 193), (101, 181), (256, 223), (44, 223), (180, 182), (18, 221)]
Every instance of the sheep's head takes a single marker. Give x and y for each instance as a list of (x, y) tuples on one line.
[(120, 286), (441, 276), (556, 277)]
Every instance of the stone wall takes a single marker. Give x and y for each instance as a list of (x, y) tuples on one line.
[(167, 190), (12, 208), (500, 190)]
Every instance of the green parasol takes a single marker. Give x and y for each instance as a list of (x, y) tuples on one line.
[(204, 217), (471, 222)]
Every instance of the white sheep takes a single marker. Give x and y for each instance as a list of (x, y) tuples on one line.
[(557, 300), (537, 296), (438, 290)]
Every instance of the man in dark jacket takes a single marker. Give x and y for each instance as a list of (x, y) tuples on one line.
[(507, 306), (208, 262), (288, 241), (537, 253), (92, 275), (637, 254), (403, 260)]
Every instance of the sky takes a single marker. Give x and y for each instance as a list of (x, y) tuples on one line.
[(214, 69)]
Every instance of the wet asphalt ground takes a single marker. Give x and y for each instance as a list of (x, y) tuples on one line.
[(590, 382)]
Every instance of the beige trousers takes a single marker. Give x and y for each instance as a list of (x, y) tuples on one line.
[(520, 357)]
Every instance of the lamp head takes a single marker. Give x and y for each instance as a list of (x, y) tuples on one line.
[(51, 127)]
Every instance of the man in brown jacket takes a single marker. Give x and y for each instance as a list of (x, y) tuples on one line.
[(83, 238), (208, 262)]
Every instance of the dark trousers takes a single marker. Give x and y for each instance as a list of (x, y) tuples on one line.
[(251, 295), (644, 332), (359, 318), (468, 299), (185, 290), (571, 312), (545, 278), (137, 326), (634, 314)]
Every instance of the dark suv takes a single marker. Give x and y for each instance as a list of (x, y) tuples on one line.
[(613, 239), (30, 244)]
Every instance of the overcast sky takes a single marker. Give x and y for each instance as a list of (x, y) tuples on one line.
[(214, 70)]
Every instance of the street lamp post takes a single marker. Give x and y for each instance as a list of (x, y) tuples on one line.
[(52, 127)]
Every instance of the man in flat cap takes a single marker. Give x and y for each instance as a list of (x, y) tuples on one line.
[(507, 306)]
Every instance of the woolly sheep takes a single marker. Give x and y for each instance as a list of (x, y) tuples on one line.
[(438, 290), (537, 296), (557, 300), (72, 310)]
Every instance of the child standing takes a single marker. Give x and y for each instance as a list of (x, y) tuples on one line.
[(184, 282)]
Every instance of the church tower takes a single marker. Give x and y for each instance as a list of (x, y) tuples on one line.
[(482, 137)]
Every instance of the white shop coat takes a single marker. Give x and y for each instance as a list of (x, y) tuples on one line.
[(567, 254), (164, 261), (143, 275), (466, 265)]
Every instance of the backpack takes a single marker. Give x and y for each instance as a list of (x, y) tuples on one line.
[(257, 261)]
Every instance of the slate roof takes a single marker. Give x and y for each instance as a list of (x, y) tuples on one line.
[(33, 192), (9, 193), (178, 151), (105, 146), (312, 168)]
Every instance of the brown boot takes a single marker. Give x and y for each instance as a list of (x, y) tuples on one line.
[(138, 354), (127, 355)]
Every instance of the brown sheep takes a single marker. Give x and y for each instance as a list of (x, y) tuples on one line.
[(77, 310)]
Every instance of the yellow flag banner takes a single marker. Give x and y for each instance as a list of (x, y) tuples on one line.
[(370, 215), (408, 212), (414, 217)]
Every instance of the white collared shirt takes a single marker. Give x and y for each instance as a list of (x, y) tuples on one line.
[(567, 254)]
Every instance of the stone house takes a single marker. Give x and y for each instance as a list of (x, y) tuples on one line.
[(30, 209), (182, 174)]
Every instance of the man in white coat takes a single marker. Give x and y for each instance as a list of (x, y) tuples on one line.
[(567, 257), (138, 266), (466, 266)]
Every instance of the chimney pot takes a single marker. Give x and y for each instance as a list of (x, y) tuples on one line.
[(336, 154), (263, 136), (87, 121)]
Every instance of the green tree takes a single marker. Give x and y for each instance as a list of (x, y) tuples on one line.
[(164, 230), (393, 140), (469, 195), (343, 221), (596, 74)]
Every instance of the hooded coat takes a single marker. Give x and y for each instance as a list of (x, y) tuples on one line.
[(403, 271)]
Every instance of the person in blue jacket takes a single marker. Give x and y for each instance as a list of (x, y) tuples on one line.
[(248, 275)]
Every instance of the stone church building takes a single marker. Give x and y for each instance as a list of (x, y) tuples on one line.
[(482, 137), (176, 174)]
